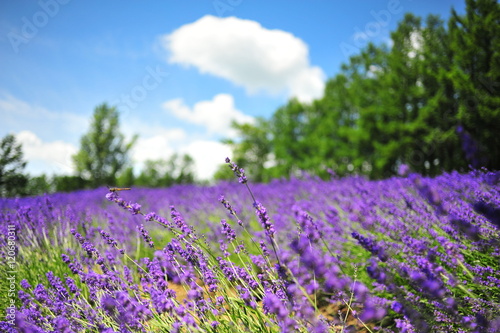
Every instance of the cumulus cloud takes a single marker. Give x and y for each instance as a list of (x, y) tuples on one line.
[(247, 54), (207, 155), (42, 156), (216, 114), (416, 43), (158, 146)]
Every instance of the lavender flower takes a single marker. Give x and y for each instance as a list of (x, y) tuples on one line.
[(227, 231), (134, 208), (264, 219), (25, 284), (145, 235), (227, 205), (489, 211), (238, 172), (370, 245)]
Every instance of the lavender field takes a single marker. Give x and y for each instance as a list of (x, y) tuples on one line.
[(405, 254)]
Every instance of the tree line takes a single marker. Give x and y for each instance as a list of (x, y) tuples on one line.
[(103, 159), (430, 101)]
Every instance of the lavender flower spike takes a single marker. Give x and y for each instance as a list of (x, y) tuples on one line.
[(264, 219), (239, 172)]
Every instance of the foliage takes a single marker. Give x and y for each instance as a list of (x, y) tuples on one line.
[(68, 183), (163, 173), (430, 101), (126, 178), (13, 181), (252, 150), (475, 41), (38, 185), (103, 152)]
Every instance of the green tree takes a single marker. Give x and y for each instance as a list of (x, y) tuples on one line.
[(290, 147), (185, 167), (420, 101), (401, 95), (251, 150), (353, 104), (126, 178), (178, 169), (437, 119), (13, 181), (39, 185), (475, 46), (68, 183), (103, 152)]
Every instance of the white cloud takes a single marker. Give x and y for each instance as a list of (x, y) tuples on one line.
[(247, 54), (373, 71), (207, 155), (159, 146), (46, 157), (416, 43), (216, 114)]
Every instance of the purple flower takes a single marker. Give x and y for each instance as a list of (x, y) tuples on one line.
[(404, 325), (24, 324), (57, 284), (7, 327), (375, 272), (134, 208), (489, 211), (107, 237), (264, 219), (72, 286), (112, 196), (150, 216), (41, 294), (145, 235), (25, 284), (126, 311), (227, 231), (65, 259), (238, 172), (273, 305), (86, 245), (397, 307), (63, 325), (370, 245), (372, 311), (247, 297), (466, 228), (227, 269), (403, 170), (227, 205), (180, 223)]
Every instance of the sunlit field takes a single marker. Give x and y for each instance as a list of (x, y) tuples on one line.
[(405, 254)]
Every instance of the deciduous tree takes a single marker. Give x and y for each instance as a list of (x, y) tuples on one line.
[(13, 181), (103, 152)]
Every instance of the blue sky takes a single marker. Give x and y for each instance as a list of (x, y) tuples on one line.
[(178, 71)]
